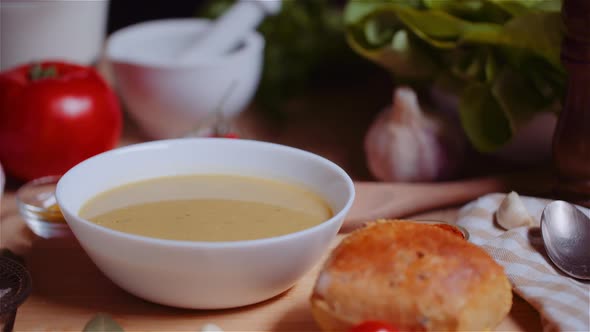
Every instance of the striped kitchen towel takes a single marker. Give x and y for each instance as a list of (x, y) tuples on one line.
[(563, 302)]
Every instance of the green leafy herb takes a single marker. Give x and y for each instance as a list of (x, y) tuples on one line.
[(483, 118), (37, 72), (499, 57), (305, 45), (102, 323)]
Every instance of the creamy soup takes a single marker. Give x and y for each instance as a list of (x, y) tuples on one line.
[(207, 208)]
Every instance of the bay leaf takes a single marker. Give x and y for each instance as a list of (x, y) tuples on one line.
[(483, 118), (102, 323)]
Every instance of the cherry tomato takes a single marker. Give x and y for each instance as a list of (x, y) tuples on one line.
[(228, 135), (53, 115), (373, 326)]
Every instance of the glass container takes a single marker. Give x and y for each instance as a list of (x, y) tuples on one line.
[(38, 207)]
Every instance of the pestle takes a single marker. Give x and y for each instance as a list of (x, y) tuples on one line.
[(227, 31)]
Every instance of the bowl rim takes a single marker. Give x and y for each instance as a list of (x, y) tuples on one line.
[(253, 41), (340, 215)]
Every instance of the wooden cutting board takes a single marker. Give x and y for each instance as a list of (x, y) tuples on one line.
[(69, 290), (394, 200)]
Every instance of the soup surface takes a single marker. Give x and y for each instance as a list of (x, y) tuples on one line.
[(207, 208)]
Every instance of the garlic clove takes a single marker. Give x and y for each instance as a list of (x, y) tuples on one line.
[(209, 327), (512, 213), (406, 108)]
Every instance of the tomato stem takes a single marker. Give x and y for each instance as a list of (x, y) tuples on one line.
[(37, 72)]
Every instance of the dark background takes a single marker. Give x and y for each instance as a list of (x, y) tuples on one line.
[(126, 12)]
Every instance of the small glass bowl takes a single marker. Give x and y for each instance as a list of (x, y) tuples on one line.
[(38, 207)]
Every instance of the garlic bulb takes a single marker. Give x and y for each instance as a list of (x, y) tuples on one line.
[(405, 144), (512, 213)]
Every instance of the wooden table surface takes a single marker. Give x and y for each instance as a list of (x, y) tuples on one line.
[(69, 289)]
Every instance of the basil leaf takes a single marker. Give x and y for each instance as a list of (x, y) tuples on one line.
[(519, 102), (483, 119), (102, 323), (491, 67), (471, 10), (405, 57), (536, 32), (521, 6), (548, 5), (470, 43), (357, 10), (514, 8)]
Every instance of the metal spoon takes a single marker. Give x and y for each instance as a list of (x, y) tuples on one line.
[(566, 234)]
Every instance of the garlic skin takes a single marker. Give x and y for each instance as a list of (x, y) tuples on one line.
[(210, 327), (512, 213), (405, 144)]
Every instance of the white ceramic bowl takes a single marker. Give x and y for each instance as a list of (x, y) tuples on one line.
[(168, 98), (204, 275)]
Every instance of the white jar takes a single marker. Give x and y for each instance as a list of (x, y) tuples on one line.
[(33, 30)]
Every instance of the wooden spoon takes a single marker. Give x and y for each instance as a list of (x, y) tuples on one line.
[(376, 200)]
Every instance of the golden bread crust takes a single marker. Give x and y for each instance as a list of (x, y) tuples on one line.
[(416, 276)]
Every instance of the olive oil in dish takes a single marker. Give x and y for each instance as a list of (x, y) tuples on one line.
[(208, 208)]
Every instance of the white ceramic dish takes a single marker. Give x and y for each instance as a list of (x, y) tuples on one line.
[(204, 275), (168, 98), (34, 30)]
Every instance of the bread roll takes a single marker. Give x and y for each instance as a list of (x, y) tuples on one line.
[(418, 277)]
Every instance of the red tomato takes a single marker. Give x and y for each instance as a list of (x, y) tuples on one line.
[(53, 115), (373, 326)]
